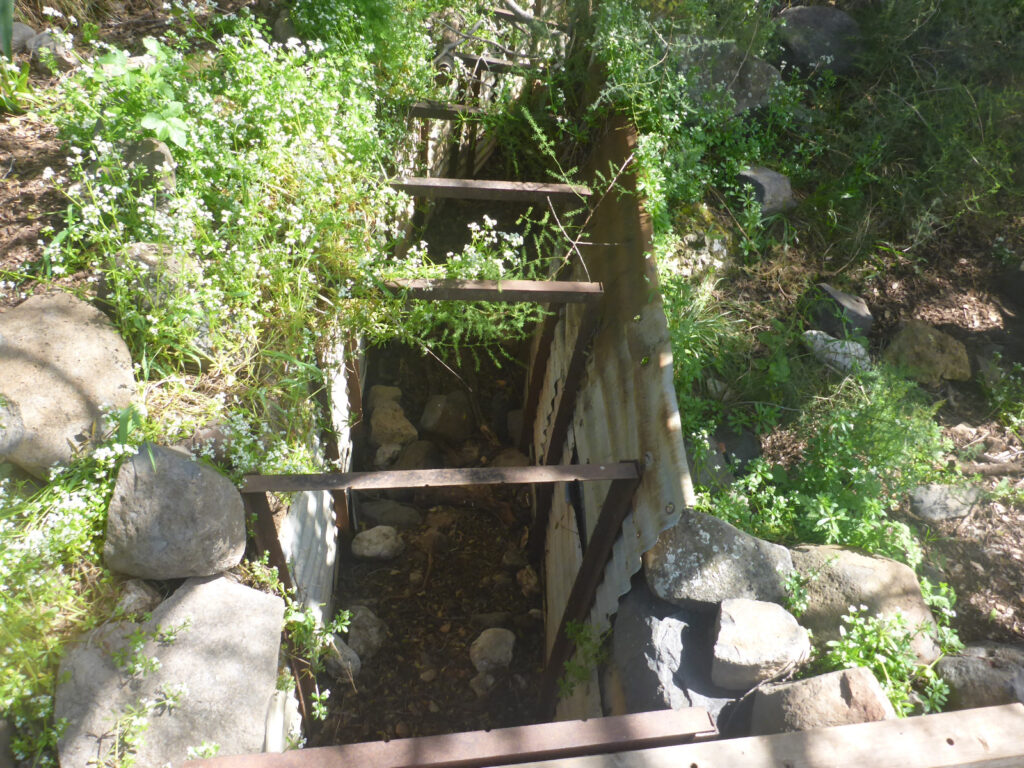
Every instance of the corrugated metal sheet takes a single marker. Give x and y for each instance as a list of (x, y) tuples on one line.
[(627, 408), (309, 540)]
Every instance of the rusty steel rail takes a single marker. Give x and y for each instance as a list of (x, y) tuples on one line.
[(486, 189), (503, 746), (507, 291)]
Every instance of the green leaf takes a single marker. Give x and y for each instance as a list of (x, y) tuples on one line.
[(173, 109), (6, 27), (152, 121)]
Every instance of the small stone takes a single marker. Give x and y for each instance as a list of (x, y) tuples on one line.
[(154, 162), (388, 424), (366, 632), (137, 598), (381, 394), (20, 35), (492, 650), (510, 457), (936, 502), (393, 513), (846, 356), (387, 455), (514, 557), (755, 642), (529, 581), (419, 454), (341, 661), (928, 354), (449, 417), (380, 543), (984, 675), (415, 577), (482, 683), (45, 48), (839, 314), (428, 676), (433, 707), (837, 698), (772, 190), (440, 518)]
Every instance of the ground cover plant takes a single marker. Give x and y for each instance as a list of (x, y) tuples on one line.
[(273, 227)]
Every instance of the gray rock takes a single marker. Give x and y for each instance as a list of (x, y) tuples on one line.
[(714, 66), (661, 656), (12, 428), (482, 683), (708, 464), (46, 49), (928, 354), (379, 543), (528, 581), (448, 417), (837, 698), (702, 561), (212, 442), (820, 37), (226, 677), (388, 424), (154, 164), (511, 457), (737, 448), (492, 650), (137, 598), (387, 512), (341, 661), (514, 557), (171, 517), (755, 642), (382, 394), (984, 675), (839, 314), (843, 577), (386, 455), (936, 502), (20, 35), (772, 189), (62, 365), (366, 632), (844, 355), (6, 734), (421, 454)]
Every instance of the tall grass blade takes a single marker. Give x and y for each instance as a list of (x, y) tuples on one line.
[(6, 27)]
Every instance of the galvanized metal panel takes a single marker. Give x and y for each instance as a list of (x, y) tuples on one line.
[(308, 539)]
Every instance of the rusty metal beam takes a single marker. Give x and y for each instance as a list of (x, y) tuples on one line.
[(439, 110), (426, 478), (510, 291), (545, 741), (494, 64), (616, 506), (487, 189)]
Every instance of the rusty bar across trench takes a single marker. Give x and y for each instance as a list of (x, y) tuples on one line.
[(487, 189), (440, 110), (502, 746), (616, 506), (494, 64), (510, 291), (429, 478)]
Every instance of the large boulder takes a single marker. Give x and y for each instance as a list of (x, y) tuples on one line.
[(702, 561), (389, 425), (984, 675), (935, 502), (448, 417), (716, 66), (837, 698), (839, 577), (755, 642), (820, 37), (661, 657), (217, 644), (772, 190), (62, 365), (928, 354), (171, 517)]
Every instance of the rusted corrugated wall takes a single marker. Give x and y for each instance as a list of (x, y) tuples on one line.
[(627, 408)]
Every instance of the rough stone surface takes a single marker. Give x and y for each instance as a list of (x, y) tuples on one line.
[(511, 457), (393, 513), (342, 662), (839, 314), (137, 598), (709, 465), (227, 677), (62, 364), (715, 65), (366, 632), (662, 656), (482, 683), (20, 35), (171, 517), (820, 37), (154, 162), (492, 650), (379, 543), (738, 448), (844, 355), (45, 48), (212, 441), (388, 424), (928, 354), (702, 561), (284, 30), (755, 642), (421, 454), (448, 417), (380, 393), (12, 428), (936, 503), (847, 577), (6, 733), (387, 455), (772, 189), (984, 675), (837, 698)]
